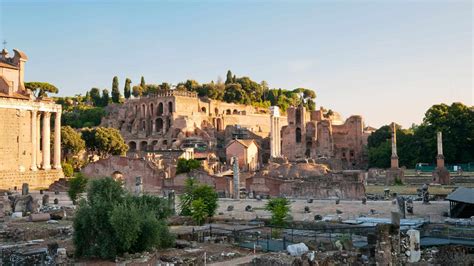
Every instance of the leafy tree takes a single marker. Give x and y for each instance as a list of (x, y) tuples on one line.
[(82, 116), (41, 88), (198, 211), (418, 144), (71, 141), (96, 99), (280, 209), (137, 91), (77, 185), (115, 90), (67, 169), (195, 191), (185, 166), (121, 222), (165, 86), (126, 89), (105, 98), (104, 141)]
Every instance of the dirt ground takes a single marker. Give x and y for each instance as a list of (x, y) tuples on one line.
[(350, 209)]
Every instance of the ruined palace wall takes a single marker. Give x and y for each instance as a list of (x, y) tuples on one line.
[(15, 139), (348, 137), (129, 168), (257, 123)]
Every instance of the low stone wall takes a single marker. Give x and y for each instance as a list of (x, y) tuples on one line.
[(37, 180), (342, 186)]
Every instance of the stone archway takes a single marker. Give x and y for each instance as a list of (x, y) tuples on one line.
[(159, 125), (170, 107), (132, 146), (117, 176), (143, 146), (298, 135), (160, 109)]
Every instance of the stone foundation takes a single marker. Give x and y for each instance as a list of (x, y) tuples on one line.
[(393, 174), (37, 180), (441, 175)]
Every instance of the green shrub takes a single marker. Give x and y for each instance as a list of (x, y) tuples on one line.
[(112, 222), (280, 209), (68, 170), (198, 211), (194, 191), (185, 166), (77, 185)]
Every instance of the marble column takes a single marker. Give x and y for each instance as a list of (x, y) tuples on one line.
[(38, 140), (34, 139), (440, 157), (57, 141), (46, 141), (275, 142), (394, 158)]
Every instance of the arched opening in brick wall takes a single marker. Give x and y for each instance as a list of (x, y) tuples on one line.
[(154, 145), (143, 110), (132, 146), (143, 125), (203, 109), (143, 146), (298, 135), (216, 111), (170, 107), (228, 112), (159, 125), (298, 116), (151, 109), (235, 112), (164, 143), (160, 109), (117, 176)]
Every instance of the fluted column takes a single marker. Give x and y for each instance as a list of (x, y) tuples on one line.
[(34, 139), (46, 141), (57, 141), (38, 139)]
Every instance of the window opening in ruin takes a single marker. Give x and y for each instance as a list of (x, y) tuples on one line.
[(170, 107), (160, 109), (159, 125), (132, 145), (298, 135), (298, 116)]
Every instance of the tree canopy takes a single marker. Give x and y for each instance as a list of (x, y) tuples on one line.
[(104, 141), (41, 88), (71, 141), (112, 222), (419, 144)]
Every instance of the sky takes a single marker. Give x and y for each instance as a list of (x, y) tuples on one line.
[(385, 60)]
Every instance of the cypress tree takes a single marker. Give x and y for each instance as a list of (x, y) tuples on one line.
[(115, 90), (126, 90)]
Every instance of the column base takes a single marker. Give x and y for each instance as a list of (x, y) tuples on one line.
[(34, 168), (57, 167), (47, 167)]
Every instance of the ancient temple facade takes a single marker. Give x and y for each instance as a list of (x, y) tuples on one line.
[(28, 153), (319, 135)]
